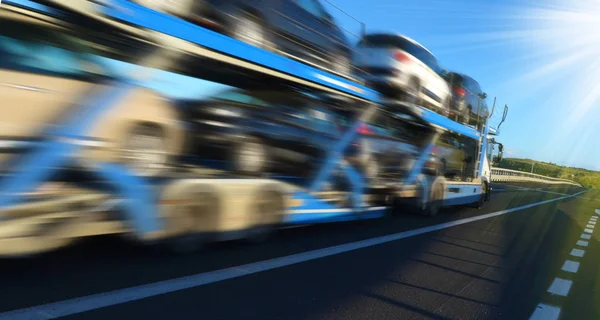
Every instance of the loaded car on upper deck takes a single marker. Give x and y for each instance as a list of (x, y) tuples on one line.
[(468, 100), (301, 29), (400, 67)]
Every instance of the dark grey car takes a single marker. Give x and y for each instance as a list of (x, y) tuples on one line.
[(302, 29)]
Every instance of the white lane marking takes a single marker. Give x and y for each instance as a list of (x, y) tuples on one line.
[(592, 222), (540, 190), (560, 287), (545, 312), (590, 226), (101, 300), (570, 266), (582, 243), (577, 252), (586, 236), (588, 230), (303, 211), (594, 218)]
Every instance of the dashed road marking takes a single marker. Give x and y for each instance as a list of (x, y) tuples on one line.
[(560, 287), (582, 243), (545, 312), (577, 252), (570, 266)]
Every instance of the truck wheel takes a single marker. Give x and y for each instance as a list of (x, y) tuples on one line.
[(250, 156), (250, 30), (371, 169), (266, 214), (188, 224), (145, 150), (488, 192), (436, 198), (341, 64), (430, 198), (482, 195)]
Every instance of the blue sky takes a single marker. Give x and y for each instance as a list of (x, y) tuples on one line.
[(525, 56), (541, 61)]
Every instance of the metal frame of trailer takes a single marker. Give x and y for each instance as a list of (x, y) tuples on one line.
[(144, 204)]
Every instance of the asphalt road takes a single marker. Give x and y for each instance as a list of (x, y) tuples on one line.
[(504, 261)]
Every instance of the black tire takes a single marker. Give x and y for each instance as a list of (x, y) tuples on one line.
[(250, 147), (186, 222), (341, 64), (371, 169), (251, 29), (145, 150), (488, 193), (397, 206), (481, 201), (436, 198), (267, 214)]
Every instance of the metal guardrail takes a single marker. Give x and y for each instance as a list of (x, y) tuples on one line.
[(507, 175)]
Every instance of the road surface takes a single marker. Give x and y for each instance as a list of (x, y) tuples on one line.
[(522, 256)]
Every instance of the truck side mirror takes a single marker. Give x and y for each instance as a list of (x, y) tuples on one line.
[(483, 95)]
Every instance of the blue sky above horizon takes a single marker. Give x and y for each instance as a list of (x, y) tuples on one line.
[(542, 61), (539, 60)]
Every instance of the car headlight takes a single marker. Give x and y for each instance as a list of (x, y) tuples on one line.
[(226, 112)]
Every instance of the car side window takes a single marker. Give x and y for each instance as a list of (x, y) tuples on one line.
[(395, 128), (312, 6), (424, 56), (414, 50), (477, 87), (431, 62), (36, 49), (473, 86)]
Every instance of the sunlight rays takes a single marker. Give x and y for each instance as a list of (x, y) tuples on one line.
[(558, 42)]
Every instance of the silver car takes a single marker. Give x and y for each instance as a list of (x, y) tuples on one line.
[(400, 67)]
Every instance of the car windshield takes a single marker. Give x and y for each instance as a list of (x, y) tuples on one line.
[(235, 96), (41, 49), (455, 79), (386, 41)]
